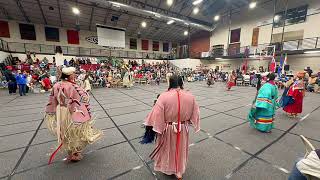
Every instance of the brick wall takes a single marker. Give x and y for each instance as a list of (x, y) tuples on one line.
[(200, 42)]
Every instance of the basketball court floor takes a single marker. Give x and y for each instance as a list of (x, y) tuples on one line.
[(225, 148)]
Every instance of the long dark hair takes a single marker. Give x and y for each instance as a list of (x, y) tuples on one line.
[(271, 76), (175, 81), (64, 76)]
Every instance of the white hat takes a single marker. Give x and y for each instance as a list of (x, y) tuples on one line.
[(68, 70)]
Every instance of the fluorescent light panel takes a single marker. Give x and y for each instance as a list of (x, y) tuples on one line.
[(216, 18), (144, 24), (170, 22), (75, 10), (169, 2), (252, 5), (311, 52), (196, 10), (197, 2)]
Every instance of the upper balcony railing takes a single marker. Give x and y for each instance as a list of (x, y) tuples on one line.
[(299, 45), (15, 47)]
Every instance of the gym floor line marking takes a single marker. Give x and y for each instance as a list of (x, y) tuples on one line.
[(228, 176), (25, 151), (126, 138)]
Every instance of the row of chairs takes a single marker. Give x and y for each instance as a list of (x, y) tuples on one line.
[(243, 82)]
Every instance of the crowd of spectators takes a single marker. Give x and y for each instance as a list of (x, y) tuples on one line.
[(37, 75)]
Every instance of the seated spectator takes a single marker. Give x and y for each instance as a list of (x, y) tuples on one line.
[(53, 78), (71, 62), (46, 83), (65, 62), (312, 83)]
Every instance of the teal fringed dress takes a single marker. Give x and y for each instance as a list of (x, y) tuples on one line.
[(261, 115)]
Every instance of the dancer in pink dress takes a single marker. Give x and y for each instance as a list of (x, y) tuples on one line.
[(170, 118), (68, 117)]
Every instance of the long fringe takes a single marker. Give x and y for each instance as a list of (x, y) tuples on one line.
[(74, 136)]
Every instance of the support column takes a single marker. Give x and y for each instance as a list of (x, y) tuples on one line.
[(284, 24), (189, 42), (274, 14)]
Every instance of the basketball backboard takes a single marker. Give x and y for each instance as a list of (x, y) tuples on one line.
[(264, 52)]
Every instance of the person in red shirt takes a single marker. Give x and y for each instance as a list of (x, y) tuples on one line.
[(46, 83)]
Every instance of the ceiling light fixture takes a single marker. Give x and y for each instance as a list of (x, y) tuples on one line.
[(311, 52), (118, 5), (170, 22), (157, 15), (185, 33), (252, 5), (143, 24), (216, 18), (276, 18), (169, 2), (196, 2), (196, 10), (75, 11), (129, 8)]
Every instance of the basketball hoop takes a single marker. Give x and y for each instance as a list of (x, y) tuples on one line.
[(264, 52)]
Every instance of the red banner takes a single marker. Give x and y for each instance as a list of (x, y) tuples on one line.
[(73, 37), (4, 29), (145, 45)]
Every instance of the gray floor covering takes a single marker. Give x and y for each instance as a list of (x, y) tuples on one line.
[(225, 148)]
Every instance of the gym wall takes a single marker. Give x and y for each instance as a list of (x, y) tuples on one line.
[(41, 39), (248, 19)]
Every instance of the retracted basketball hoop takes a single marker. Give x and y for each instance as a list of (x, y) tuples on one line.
[(265, 52)]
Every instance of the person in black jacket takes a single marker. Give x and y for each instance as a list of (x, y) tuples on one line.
[(12, 83)]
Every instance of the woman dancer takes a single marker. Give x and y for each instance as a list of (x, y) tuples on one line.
[(231, 80), (296, 91), (170, 118), (86, 83), (261, 116), (127, 80), (285, 99), (210, 80), (68, 116)]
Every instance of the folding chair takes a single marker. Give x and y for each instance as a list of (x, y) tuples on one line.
[(143, 81), (239, 82), (246, 82)]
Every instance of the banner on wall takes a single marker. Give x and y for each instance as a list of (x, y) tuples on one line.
[(4, 29), (155, 46), (165, 47), (133, 43), (52, 34), (27, 31), (145, 45), (235, 35), (255, 37), (73, 37)]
